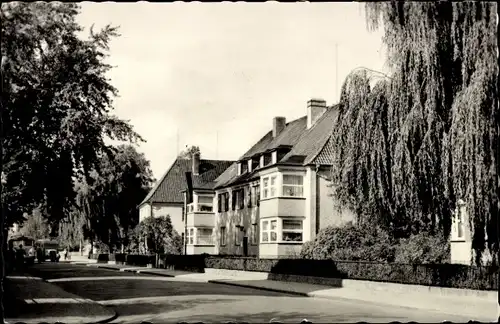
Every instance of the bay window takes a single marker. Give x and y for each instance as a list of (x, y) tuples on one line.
[(204, 236), (269, 231), (292, 230), (190, 235), (269, 185), (293, 185), (205, 203)]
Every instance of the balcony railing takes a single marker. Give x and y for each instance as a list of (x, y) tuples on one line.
[(207, 208)]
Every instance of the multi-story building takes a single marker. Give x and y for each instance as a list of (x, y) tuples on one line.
[(276, 196), (166, 197)]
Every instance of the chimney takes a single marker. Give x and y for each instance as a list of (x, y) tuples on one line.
[(279, 124), (195, 159), (315, 109)]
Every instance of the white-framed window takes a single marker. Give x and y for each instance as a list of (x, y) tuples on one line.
[(223, 236), (293, 185), (269, 186), (204, 236), (269, 230), (205, 203), (292, 230), (190, 235), (255, 234)]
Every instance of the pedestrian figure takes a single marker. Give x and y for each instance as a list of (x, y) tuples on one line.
[(65, 253)]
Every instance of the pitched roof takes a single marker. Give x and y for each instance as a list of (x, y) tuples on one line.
[(288, 137), (312, 141), (170, 186), (309, 146)]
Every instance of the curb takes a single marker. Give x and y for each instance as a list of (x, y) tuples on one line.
[(283, 291), (148, 272), (111, 318)]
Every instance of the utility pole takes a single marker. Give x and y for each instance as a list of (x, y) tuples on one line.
[(217, 145), (337, 71)]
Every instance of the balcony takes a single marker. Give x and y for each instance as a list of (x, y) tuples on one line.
[(200, 215)]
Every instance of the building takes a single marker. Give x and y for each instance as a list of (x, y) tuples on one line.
[(461, 238), (167, 198), (276, 196)]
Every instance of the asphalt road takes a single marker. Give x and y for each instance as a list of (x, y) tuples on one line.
[(137, 298)]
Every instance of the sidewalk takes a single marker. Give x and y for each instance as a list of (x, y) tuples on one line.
[(479, 309), (483, 310), (32, 300), (177, 274)]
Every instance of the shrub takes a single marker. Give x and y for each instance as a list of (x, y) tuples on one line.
[(352, 243), (423, 248)]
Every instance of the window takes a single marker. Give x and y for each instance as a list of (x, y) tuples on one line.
[(269, 231), (257, 195), (241, 198), (237, 235), (265, 231), (222, 236), (293, 185), (255, 234), (265, 187), (269, 186), (190, 235), (219, 203), (292, 230), (249, 193), (183, 238), (233, 199), (273, 186), (205, 203), (204, 236), (226, 201)]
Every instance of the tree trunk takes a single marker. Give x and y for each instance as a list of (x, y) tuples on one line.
[(80, 249)]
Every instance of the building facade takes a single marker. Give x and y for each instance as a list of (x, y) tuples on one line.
[(277, 195), (167, 198)]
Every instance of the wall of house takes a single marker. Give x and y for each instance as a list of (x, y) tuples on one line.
[(175, 213), (330, 213), (245, 217), (144, 212), (193, 249)]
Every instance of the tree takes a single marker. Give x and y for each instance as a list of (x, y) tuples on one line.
[(159, 234), (107, 207), (35, 226), (56, 104), (188, 153), (427, 134)]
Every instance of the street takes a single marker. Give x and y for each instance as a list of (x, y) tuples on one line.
[(137, 297)]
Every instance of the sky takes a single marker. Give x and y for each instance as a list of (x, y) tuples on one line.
[(215, 75)]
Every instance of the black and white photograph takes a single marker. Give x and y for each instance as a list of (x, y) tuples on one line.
[(249, 162)]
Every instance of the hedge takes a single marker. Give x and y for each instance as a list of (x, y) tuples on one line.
[(441, 275)]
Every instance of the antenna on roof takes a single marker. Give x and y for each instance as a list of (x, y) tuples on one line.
[(217, 145), (337, 70), (177, 142)]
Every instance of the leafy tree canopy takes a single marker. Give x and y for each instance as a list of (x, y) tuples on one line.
[(160, 235), (427, 135), (188, 153), (107, 205), (57, 107)]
